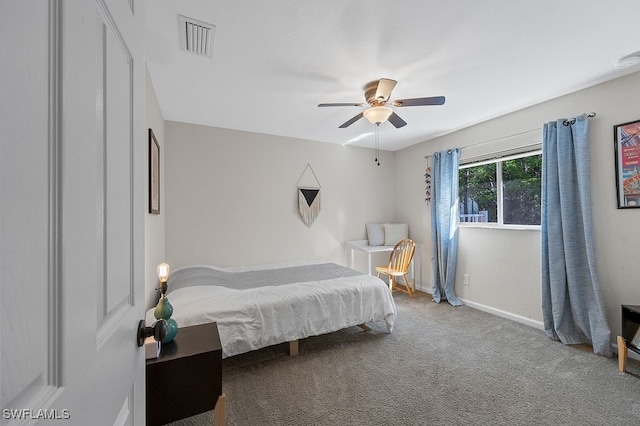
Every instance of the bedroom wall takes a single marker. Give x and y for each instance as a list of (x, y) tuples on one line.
[(231, 197), (154, 224), (504, 265)]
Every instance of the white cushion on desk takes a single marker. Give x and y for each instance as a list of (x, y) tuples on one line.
[(394, 232), (375, 234)]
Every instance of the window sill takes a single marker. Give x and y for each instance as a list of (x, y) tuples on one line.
[(497, 226)]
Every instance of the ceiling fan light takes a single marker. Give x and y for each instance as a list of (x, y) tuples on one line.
[(378, 114)]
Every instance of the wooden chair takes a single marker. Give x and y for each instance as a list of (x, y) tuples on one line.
[(399, 261)]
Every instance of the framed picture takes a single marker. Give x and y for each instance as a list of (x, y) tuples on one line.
[(154, 174), (627, 150)]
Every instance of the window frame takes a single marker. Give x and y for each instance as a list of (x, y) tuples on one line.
[(500, 192)]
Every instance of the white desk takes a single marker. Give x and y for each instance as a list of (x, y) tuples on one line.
[(363, 245)]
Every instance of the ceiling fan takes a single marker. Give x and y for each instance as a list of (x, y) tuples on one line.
[(377, 95)]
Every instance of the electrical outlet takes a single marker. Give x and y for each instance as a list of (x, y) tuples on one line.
[(465, 279)]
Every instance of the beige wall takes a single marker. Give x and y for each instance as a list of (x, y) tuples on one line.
[(231, 197), (154, 224), (504, 265)]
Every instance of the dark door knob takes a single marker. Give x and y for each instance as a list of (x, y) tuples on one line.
[(159, 330)]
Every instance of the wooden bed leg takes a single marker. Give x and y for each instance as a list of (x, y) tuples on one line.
[(293, 348), (219, 411), (365, 327), (622, 354)]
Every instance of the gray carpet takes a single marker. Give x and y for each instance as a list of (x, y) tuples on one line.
[(440, 366)]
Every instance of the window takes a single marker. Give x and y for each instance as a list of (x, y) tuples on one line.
[(504, 191)]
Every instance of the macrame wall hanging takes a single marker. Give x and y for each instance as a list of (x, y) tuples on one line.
[(308, 195)]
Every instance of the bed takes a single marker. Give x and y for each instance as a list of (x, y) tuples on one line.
[(260, 306)]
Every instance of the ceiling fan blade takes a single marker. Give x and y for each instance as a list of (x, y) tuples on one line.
[(396, 120), (385, 86), (350, 122), (434, 100), (341, 104)]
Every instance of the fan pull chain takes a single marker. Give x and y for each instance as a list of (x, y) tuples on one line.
[(377, 134)]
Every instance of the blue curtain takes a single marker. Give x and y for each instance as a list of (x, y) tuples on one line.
[(444, 225), (572, 306)]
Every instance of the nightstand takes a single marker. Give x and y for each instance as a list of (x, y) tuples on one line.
[(187, 377)]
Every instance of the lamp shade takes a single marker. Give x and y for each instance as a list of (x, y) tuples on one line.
[(378, 114), (163, 272)]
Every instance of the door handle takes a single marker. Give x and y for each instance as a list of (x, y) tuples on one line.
[(159, 331)]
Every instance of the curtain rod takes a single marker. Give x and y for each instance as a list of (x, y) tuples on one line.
[(565, 122)]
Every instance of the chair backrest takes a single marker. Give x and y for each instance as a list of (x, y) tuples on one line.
[(401, 256)]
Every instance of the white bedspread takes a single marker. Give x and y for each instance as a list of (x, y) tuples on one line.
[(272, 313)]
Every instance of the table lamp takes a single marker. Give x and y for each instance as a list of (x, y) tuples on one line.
[(163, 309)]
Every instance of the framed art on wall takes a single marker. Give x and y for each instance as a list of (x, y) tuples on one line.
[(627, 150), (154, 174)]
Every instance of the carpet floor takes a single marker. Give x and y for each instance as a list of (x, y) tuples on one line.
[(441, 365)]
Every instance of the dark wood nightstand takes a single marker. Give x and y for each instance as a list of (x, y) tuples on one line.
[(187, 377)]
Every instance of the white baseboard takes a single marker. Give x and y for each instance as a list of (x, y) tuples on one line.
[(498, 312), (504, 314)]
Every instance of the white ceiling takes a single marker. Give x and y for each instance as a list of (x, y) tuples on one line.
[(275, 61)]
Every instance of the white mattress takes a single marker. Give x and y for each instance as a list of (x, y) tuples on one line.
[(280, 309)]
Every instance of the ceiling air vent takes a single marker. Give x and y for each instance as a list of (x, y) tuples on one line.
[(196, 36)]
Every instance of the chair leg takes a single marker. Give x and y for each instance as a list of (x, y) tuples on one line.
[(391, 283), (406, 283), (622, 354)]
